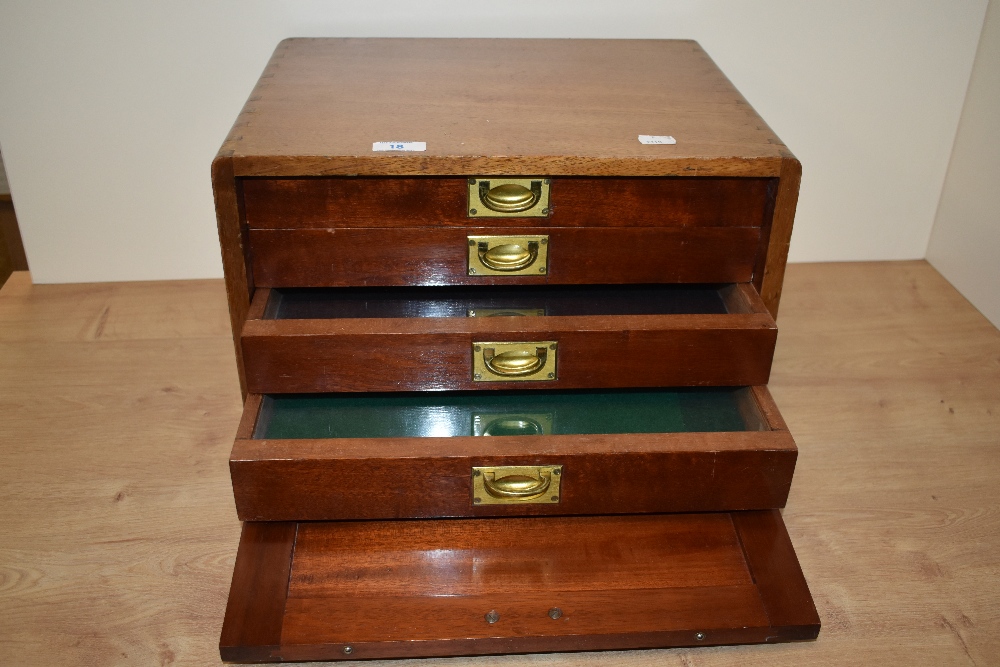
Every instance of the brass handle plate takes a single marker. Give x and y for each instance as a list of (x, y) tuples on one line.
[(506, 312), (533, 361), (508, 255), (513, 485), (508, 197)]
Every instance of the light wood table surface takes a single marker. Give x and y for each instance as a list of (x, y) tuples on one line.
[(118, 532)]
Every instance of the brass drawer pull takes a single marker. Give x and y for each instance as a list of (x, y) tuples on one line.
[(511, 362), (515, 363), (521, 487), (509, 197), (503, 197), (510, 485), (508, 256)]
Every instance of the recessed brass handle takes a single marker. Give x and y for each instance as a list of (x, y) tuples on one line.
[(508, 256), (522, 487), (509, 197), (514, 426), (513, 485), (515, 363)]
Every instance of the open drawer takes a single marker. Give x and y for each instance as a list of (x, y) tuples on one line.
[(546, 337), (468, 454), (395, 589)]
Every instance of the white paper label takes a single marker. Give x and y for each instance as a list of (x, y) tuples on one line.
[(656, 139), (399, 146)]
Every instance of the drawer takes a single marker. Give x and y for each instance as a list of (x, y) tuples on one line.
[(403, 589), (322, 203), (409, 339), (370, 256), (432, 454)]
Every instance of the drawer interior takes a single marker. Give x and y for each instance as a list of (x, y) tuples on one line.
[(362, 590), (499, 301), (506, 413), (309, 457)]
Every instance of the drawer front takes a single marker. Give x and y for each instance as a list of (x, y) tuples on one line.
[(320, 203), (351, 353), (372, 457), (385, 589), (440, 256)]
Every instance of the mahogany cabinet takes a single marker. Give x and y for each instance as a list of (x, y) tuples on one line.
[(503, 312)]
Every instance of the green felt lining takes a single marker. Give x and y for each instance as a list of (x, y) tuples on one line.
[(429, 414)]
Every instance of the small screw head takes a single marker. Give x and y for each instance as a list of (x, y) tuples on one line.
[(551, 375), (472, 243), (557, 472), (477, 376), (492, 616), (545, 211), (477, 500), (555, 613), (472, 271), (554, 499), (472, 181), (547, 181), (553, 346), (541, 270), (476, 473), (699, 636), (473, 211), (478, 348), (544, 241), (348, 650)]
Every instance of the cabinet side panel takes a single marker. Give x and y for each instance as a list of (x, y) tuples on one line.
[(781, 233), (239, 281)]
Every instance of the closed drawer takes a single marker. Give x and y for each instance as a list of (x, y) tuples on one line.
[(408, 339), (328, 232), (383, 456), (320, 203)]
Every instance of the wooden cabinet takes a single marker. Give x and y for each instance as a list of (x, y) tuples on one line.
[(505, 393)]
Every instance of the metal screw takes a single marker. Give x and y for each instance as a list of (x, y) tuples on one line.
[(478, 348), (477, 500), (492, 616), (348, 650), (699, 635), (541, 270), (477, 376), (476, 473), (556, 471), (555, 613), (547, 181), (554, 499), (544, 241), (551, 375), (545, 211), (471, 271), (553, 346), (472, 211), (472, 181)]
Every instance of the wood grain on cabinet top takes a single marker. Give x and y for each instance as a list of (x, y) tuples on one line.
[(498, 106)]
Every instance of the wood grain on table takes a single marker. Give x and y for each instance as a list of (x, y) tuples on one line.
[(118, 532)]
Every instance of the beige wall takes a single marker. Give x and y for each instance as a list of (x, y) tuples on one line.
[(110, 112), (965, 243)]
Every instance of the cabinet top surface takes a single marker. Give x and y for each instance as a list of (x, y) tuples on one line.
[(498, 106)]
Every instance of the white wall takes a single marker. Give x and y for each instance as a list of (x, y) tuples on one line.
[(965, 243), (110, 112)]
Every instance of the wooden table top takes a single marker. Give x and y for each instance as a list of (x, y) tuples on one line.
[(498, 106), (118, 532)]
